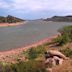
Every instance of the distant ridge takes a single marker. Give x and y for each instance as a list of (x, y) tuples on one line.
[(60, 18), (10, 19)]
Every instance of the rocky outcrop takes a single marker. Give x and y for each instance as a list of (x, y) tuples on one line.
[(54, 58)]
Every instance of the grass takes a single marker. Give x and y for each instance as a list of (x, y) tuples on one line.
[(67, 52)]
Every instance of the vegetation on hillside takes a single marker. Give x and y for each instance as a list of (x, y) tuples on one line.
[(67, 30), (34, 52), (10, 19), (67, 52), (29, 66), (65, 37), (60, 19)]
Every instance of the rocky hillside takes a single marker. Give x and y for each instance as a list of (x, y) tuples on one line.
[(60, 18), (10, 19)]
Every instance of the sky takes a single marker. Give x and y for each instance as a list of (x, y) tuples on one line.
[(35, 9)]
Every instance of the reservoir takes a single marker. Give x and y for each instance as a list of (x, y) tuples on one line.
[(28, 33)]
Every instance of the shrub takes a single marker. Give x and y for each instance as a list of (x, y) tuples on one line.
[(5, 67), (66, 30), (66, 35), (67, 52), (33, 53), (40, 49), (30, 66), (61, 40)]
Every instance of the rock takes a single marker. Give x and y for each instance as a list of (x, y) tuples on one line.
[(49, 69), (56, 53), (58, 60), (61, 61), (54, 58), (50, 62), (47, 55)]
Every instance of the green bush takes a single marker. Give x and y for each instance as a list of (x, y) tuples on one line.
[(4, 67), (7, 68), (33, 53), (66, 35), (67, 52), (61, 40), (66, 30), (30, 66), (40, 49)]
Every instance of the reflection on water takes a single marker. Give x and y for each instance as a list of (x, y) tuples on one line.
[(32, 31)]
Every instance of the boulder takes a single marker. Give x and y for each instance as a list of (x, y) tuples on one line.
[(54, 58), (56, 53), (50, 62), (59, 61)]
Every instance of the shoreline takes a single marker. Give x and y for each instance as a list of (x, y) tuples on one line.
[(40, 42), (11, 24), (5, 56)]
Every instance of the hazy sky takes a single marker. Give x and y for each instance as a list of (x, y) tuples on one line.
[(33, 9)]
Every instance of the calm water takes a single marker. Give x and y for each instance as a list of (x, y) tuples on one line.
[(32, 31)]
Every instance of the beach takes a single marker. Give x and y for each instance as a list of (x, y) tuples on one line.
[(10, 24)]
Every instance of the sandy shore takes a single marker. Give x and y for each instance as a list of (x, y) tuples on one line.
[(11, 24), (7, 55)]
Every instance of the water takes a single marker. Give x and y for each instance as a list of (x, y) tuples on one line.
[(32, 31)]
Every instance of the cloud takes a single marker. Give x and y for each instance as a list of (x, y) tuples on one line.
[(37, 6), (3, 4)]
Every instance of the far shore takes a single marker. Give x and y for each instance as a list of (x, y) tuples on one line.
[(6, 55), (11, 24)]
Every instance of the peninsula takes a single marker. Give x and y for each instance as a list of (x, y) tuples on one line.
[(10, 21)]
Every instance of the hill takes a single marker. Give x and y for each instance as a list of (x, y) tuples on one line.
[(10, 19), (60, 19)]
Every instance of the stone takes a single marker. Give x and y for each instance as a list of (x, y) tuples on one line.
[(54, 58), (50, 62), (56, 53), (49, 69), (59, 61)]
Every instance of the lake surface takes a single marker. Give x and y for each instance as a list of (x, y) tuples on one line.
[(32, 31)]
